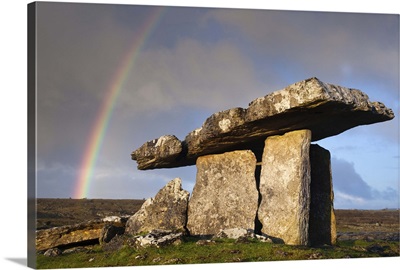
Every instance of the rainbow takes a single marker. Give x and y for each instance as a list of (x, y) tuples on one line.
[(102, 120)]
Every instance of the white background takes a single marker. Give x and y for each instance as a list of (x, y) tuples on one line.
[(13, 140)]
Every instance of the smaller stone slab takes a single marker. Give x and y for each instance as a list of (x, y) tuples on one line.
[(225, 194), (166, 211), (285, 187)]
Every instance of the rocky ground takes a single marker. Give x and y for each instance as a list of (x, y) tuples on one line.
[(59, 212), (351, 224), (368, 224)]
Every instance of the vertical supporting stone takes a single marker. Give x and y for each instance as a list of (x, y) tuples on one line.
[(322, 227), (225, 194), (285, 187)]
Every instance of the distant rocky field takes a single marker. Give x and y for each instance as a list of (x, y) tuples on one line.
[(59, 212)]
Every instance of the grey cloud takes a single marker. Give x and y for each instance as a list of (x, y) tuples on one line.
[(347, 181), (334, 46), (387, 194), (54, 180), (193, 74)]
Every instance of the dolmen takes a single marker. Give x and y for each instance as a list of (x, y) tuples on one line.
[(257, 168)]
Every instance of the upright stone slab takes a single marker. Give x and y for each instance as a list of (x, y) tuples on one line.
[(285, 187), (322, 226), (225, 194), (166, 211)]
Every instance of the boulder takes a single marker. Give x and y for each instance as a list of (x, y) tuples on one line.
[(322, 222), (157, 238), (225, 194), (323, 108), (74, 234), (166, 211), (285, 187)]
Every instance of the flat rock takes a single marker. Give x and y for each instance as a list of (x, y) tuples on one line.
[(225, 194), (157, 238), (74, 234), (324, 109), (166, 211)]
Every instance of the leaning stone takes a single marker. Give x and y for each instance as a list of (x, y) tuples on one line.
[(225, 194), (167, 211), (285, 187), (323, 108), (71, 234), (322, 223)]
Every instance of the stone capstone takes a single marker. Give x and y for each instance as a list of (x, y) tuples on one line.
[(225, 194), (285, 187), (324, 109), (166, 211)]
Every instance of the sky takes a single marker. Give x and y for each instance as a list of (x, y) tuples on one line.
[(111, 77)]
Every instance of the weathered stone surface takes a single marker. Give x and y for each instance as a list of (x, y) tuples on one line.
[(158, 152), (325, 109), (234, 233), (167, 211), (240, 233), (285, 187), (322, 223), (225, 194), (157, 238), (73, 234)]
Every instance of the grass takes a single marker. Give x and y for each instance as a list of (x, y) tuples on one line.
[(58, 212), (222, 251)]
